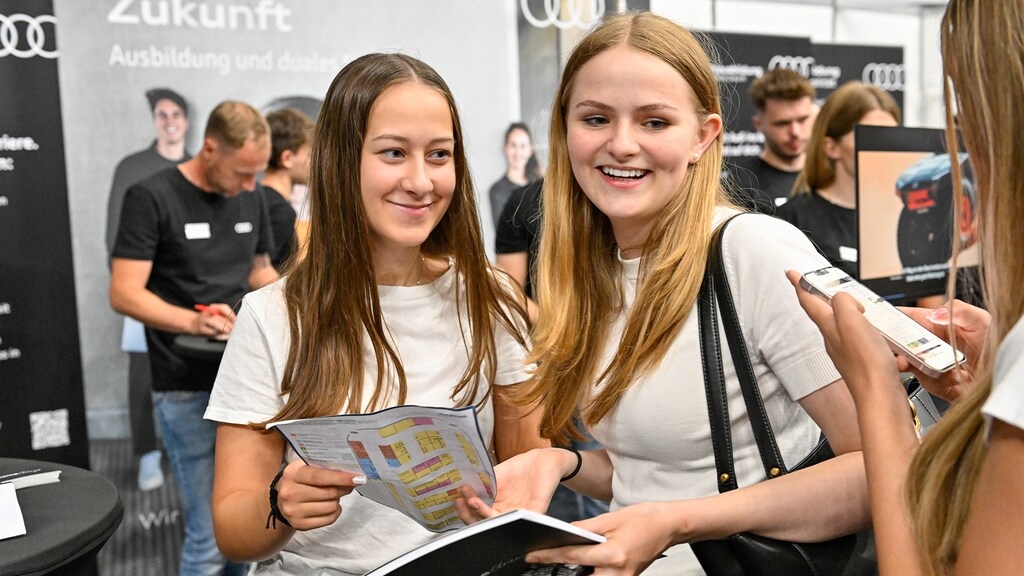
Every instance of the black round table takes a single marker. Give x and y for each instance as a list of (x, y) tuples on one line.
[(66, 522)]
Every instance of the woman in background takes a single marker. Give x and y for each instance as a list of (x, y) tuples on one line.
[(518, 170), (824, 201)]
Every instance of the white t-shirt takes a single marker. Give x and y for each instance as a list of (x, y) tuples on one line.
[(1007, 399), (659, 437), (424, 328)]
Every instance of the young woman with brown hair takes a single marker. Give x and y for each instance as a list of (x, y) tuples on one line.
[(394, 304)]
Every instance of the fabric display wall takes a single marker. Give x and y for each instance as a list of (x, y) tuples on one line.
[(745, 57), (42, 411), (268, 53)]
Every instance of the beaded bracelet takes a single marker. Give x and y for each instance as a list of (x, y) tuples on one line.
[(275, 512), (579, 463)]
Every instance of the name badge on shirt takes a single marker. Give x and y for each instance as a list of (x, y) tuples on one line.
[(243, 227), (197, 230), (848, 254)]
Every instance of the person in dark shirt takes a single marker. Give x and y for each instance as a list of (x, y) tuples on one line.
[(785, 110), (170, 119), (192, 241), (517, 238), (290, 132), (516, 244), (825, 201)]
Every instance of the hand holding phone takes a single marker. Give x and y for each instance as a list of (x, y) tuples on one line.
[(922, 349)]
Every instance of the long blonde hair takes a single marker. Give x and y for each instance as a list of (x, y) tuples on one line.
[(578, 275), (332, 294), (982, 48), (841, 112)]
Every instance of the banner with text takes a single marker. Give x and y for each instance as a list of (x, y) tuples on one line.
[(743, 58), (42, 415)]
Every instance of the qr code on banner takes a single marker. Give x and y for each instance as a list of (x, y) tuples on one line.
[(49, 429)]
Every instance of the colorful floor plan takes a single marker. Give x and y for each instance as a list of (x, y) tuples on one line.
[(415, 458)]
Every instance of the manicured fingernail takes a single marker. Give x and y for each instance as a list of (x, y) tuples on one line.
[(939, 316), (359, 479)]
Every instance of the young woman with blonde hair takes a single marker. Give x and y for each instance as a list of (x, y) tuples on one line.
[(957, 499), (631, 199), (394, 304)]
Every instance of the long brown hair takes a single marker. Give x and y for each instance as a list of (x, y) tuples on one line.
[(332, 294), (842, 110), (578, 278), (982, 47)]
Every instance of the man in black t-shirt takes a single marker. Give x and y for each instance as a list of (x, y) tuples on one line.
[(192, 240), (784, 101)]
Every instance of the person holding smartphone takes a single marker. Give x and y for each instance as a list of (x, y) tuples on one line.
[(953, 504)]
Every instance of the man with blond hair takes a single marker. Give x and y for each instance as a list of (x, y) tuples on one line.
[(784, 113), (192, 240)]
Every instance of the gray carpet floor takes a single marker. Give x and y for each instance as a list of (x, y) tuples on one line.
[(148, 541)]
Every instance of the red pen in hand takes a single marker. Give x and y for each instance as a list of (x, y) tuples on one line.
[(211, 310)]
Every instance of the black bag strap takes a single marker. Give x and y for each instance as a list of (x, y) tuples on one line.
[(715, 288), (714, 382)]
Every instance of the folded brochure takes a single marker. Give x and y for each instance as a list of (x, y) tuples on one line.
[(414, 458), (31, 477), (495, 546)]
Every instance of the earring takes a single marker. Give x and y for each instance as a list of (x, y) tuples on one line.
[(696, 156)]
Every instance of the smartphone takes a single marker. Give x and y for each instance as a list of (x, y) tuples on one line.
[(924, 350)]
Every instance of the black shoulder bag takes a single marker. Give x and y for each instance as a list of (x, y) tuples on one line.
[(747, 554)]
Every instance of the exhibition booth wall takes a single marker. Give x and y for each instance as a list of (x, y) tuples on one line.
[(105, 54)]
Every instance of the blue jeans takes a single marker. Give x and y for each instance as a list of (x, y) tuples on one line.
[(189, 441), (569, 505)]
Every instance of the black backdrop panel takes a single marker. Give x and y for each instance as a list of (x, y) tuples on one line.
[(743, 58), (42, 409), (836, 64)]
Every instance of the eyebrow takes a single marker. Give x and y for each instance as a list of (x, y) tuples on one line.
[(645, 108), (795, 119), (403, 139)]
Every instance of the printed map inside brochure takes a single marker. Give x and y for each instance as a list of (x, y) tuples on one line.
[(414, 457)]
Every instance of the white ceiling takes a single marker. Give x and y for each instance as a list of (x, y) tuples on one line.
[(879, 5)]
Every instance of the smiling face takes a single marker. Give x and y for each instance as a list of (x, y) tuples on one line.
[(170, 122), (632, 130), (518, 149), (407, 168)]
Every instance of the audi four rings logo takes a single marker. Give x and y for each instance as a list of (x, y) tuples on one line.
[(571, 16), (885, 76), (799, 64), (15, 27)]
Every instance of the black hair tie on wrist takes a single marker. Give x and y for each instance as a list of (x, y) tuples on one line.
[(579, 463), (275, 512)]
